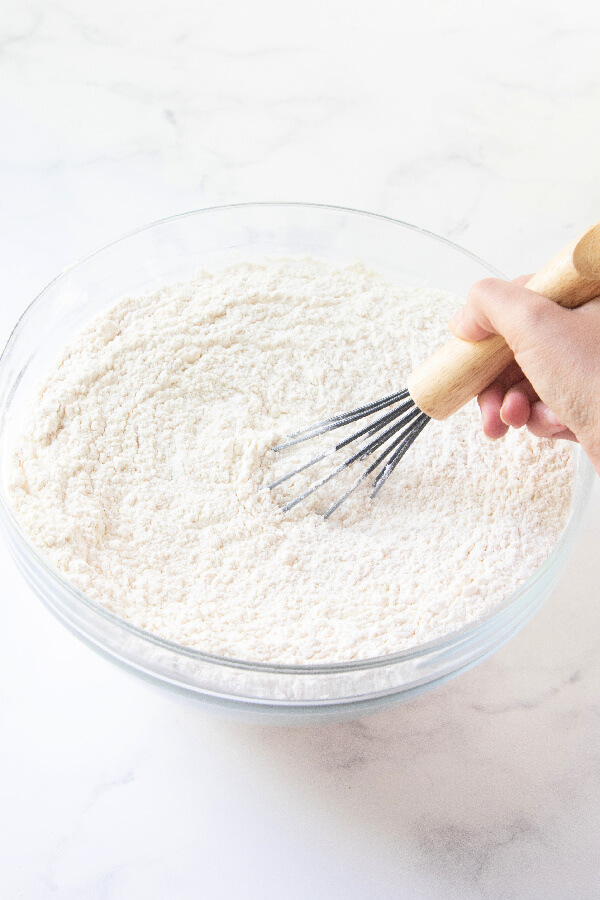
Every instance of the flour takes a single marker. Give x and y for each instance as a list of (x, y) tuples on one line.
[(142, 476)]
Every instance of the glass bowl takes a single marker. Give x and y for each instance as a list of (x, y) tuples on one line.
[(171, 250)]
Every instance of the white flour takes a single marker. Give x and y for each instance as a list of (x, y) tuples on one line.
[(140, 477)]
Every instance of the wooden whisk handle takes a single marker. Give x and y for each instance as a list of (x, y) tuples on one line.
[(459, 370)]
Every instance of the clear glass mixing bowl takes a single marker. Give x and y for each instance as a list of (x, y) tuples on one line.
[(173, 249)]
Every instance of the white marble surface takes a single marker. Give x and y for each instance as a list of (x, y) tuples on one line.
[(475, 121)]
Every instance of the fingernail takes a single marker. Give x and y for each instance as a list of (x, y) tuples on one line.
[(456, 320), (551, 418)]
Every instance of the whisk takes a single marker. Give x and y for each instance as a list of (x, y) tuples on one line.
[(443, 384)]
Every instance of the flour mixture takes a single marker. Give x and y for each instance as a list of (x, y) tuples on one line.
[(141, 477)]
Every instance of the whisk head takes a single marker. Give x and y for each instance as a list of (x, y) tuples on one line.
[(394, 431)]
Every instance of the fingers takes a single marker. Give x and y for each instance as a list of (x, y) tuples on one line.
[(511, 402), (543, 423), (516, 408), (492, 402), (506, 308), (467, 322), (521, 280), (517, 404), (556, 361)]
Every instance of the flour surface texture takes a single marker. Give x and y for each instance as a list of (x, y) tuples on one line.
[(142, 474)]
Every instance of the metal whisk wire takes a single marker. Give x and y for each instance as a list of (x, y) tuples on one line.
[(397, 428)]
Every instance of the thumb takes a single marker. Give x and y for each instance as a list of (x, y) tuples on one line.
[(521, 316)]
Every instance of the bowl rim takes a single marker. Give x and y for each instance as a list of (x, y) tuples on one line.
[(451, 640)]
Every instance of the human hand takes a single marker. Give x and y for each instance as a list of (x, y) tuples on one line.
[(553, 387)]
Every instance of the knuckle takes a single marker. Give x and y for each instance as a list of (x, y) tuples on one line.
[(530, 317), (481, 289), (532, 324)]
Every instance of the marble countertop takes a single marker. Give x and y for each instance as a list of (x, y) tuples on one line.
[(477, 122)]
